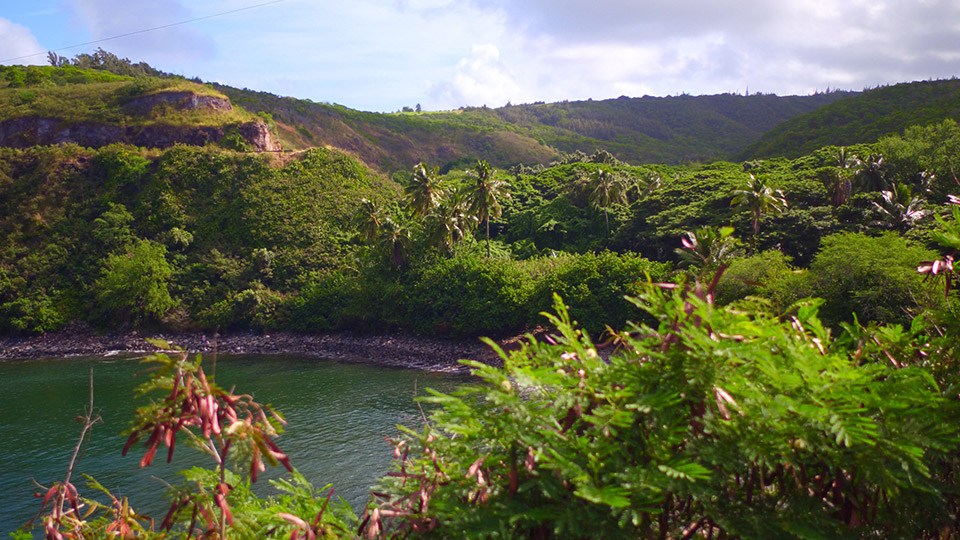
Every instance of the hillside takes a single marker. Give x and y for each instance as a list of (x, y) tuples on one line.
[(319, 238), (861, 118), (54, 105), (672, 130), (392, 142), (225, 229), (102, 99)]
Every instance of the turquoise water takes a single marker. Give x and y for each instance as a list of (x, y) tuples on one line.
[(338, 414)]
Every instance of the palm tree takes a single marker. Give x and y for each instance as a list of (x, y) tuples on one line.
[(760, 199), (367, 219), (845, 160), (451, 220), (395, 241), (648, 183), (707, 248), (837, 180), (424, 191), (900, 208), (871, 174), (485, 196), (606, 188)]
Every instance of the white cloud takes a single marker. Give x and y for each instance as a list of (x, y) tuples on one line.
[(18, 42), (480, 79), (384, 54)]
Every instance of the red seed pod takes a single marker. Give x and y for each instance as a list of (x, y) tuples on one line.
[(148, 457), (220, 497), (134, 437), (173, 443), (254, 464)]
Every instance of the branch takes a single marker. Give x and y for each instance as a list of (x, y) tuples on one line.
[(88, 421)]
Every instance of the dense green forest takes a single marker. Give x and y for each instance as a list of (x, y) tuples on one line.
[(317, 241), (763, 348), (861, 118)]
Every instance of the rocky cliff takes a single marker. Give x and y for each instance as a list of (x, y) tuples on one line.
[(34, 130)]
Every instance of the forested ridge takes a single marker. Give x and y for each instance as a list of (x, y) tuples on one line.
[(861, 118), (761, 348)]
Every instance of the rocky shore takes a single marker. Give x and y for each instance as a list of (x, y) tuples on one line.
[(406, 351)]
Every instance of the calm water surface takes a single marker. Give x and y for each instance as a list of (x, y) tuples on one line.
[(338, 417)]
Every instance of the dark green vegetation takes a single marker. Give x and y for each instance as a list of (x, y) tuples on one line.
[(193, 237), (860, 118)]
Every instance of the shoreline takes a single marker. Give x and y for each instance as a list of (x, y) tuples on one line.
[(388, 350)]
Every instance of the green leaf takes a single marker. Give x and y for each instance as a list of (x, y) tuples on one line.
[(614, 496)]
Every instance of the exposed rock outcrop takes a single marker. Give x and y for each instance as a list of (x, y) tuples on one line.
[(34, 131), (259, 136), (179, 100)]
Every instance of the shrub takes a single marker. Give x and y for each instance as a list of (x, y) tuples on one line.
[(133, 285), (320, 305), (872, 278), (751, 276), (594, 285), (469, 294), (715, 422), (33, 314)]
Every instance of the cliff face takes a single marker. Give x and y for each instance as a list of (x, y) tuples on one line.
[(179, 100), (33, 130)]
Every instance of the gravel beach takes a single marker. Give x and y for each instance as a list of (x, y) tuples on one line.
[(394, 350)]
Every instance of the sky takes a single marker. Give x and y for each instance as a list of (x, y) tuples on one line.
[(381, 55)]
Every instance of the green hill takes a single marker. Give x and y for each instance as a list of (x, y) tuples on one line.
[(53, 105), (861, 118), (673, 130), (679, 129), (102, 99), (392, 142), (222, 228)]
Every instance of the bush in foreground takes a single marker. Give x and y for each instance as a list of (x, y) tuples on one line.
[(713, 421)]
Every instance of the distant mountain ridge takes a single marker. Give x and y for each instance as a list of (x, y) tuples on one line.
[(862, 117), (92, 100), (673, 130)]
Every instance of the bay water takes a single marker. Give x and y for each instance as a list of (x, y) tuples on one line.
[(338, 417)]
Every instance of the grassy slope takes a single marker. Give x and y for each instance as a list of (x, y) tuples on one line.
[(861, 118), (73, 95), (392, 142), (667, 130)]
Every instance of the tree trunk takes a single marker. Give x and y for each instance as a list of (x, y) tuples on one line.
[(488, 237)]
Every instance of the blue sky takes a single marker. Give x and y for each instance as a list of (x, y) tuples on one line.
[(381, 55)]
